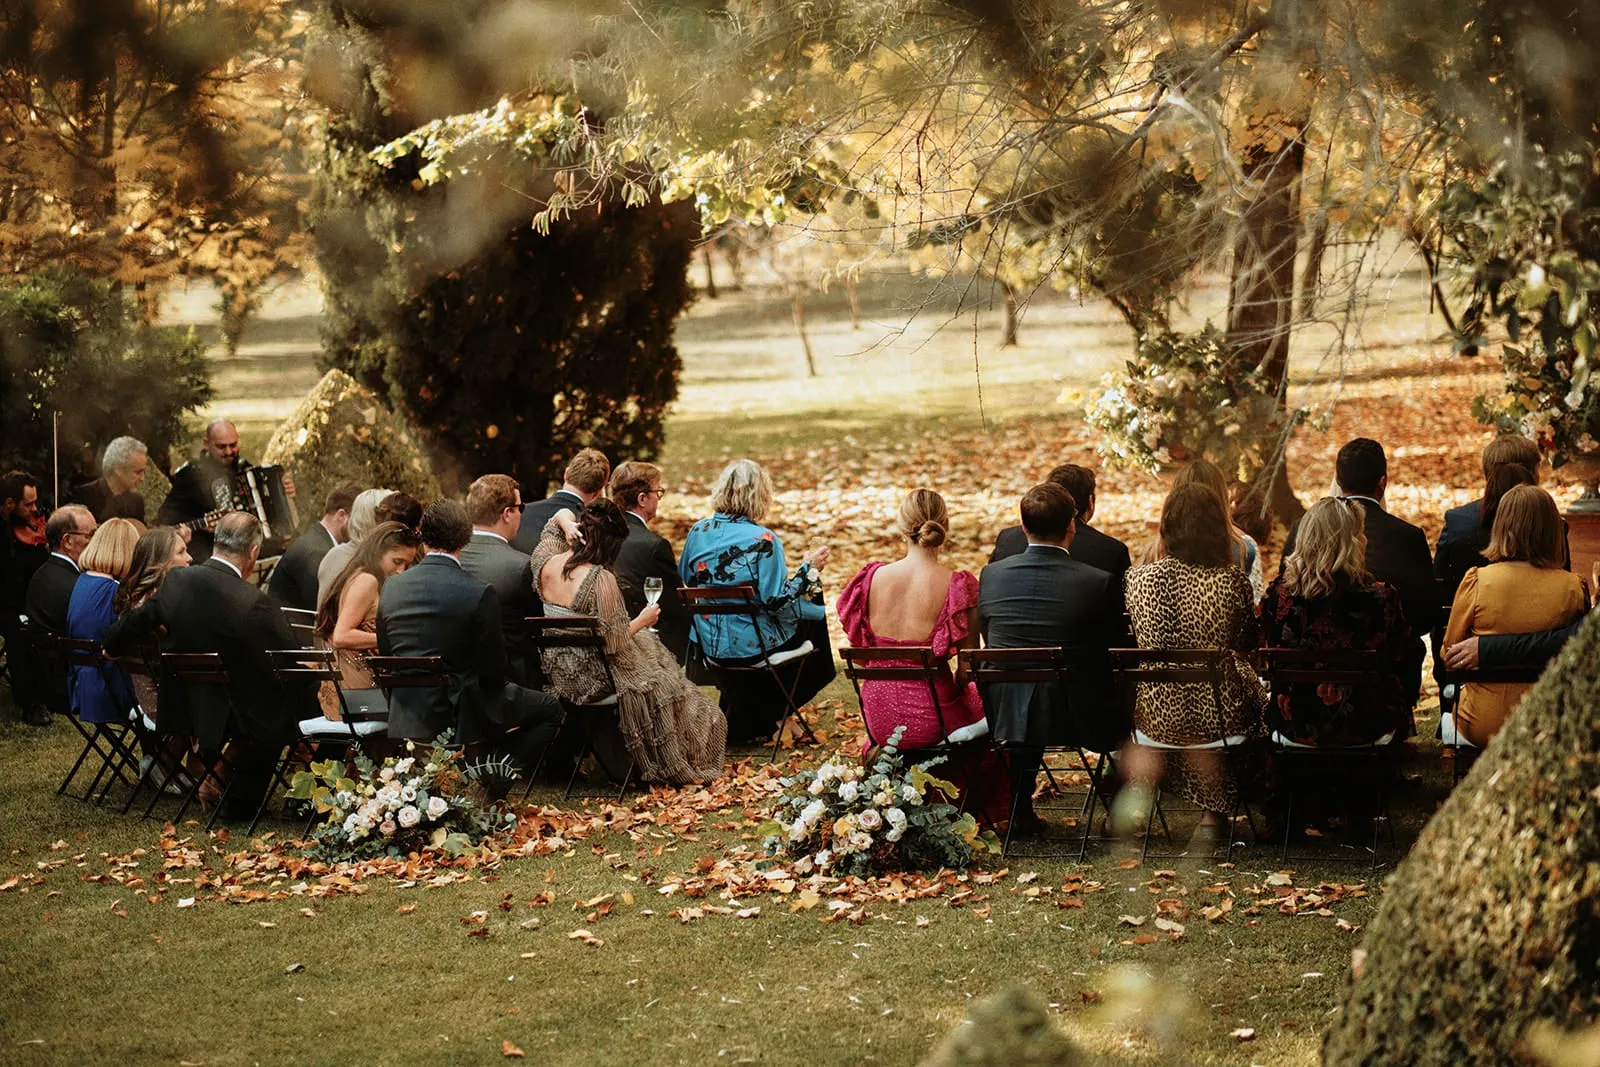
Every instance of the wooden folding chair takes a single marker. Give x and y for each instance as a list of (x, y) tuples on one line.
[(198, 670), (110, 742), (316, 665), (1361, 671), (1178, 666), (304, 625), (908, 664), (406, 672), (713, 601), (163, 765), (1043, 665), (1463, 753), (549, 632)]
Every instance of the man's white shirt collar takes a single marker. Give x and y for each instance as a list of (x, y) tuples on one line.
[(70, 560), (446, 555), (230, 566), (485, 533)]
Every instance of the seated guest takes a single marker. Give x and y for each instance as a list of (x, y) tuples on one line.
[(438, 609), (731, 547), (584, 480), (1326, 600), (1522, 589), (1397, 552), (672, 730), (363, 517), (154, 557), (1088, 544), (636, 489), (494, 504), (1508, 461), (213, 481), (115, 494), (347, 621), (1045, 598), (212, 608), (1242, 547), (23, 547), (1196, 596), (919, 601), (104, 693), (50, 589), (294, 579)]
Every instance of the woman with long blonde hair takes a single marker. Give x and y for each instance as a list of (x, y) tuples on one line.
[(1325, 600)]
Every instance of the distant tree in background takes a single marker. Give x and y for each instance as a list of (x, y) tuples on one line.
[(144, 140), (75, 345)]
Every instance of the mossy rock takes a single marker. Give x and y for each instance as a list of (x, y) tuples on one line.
[(1492, 924), (342, 432), (1010, 1028)]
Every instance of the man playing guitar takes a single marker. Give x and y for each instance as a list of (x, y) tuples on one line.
[(208, 487)]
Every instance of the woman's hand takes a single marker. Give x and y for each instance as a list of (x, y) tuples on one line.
[(568, 525), (646, 618), (817, 557)]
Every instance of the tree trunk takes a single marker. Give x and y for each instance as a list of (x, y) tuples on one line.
[(1008, 338), (711, 279), (797, 304), (852, 289), (1261, 310)]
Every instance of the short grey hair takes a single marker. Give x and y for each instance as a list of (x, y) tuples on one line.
[(743, 489), (237, 534), (119, 454), (364, 512)]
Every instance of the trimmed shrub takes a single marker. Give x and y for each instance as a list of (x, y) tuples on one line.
[(1492, 924), (342, 432)]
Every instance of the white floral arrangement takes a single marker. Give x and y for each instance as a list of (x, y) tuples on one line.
[(842, 818), (403, 805)]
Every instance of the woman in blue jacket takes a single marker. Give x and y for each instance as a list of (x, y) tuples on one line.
[(732, 547), (101, 694)]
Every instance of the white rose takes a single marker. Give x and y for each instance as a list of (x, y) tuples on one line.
[(910, 796), (386, 775), (409, 816), (860, 841), (848, 791), (408, 794), (405, 765), (895, 816), (437, 807), (869, 819), (387, 828)]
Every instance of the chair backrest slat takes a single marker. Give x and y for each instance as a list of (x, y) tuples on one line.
[(407, 672), (721, 600), (1043, 664), (196, 668), (563, 631)]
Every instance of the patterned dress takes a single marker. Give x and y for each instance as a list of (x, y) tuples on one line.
[(1176, 605), (354, 674), (1367, 616), (674, 732)]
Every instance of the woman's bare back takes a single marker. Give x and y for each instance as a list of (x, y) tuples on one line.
[(906, 598)]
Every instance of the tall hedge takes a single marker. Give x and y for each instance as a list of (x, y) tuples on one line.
[(506, 348), (1492, 923), (74, 345)]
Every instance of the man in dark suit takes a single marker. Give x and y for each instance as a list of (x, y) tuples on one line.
[(438, 609), (1397, 552), (211, 608), (584, 480), (294, 579), (1088, 544), (67, 534), (210, 482), (494, 505), (23, 549), (636, 489), (1045, 597)]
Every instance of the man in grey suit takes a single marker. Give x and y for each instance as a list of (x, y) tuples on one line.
[(636, 489), (583, 481), (438, 609), (494, 505), (1043, 598)]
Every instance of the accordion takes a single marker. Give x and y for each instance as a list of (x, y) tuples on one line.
[(260, 491)]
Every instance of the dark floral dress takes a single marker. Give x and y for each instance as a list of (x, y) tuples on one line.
[(1362, 616)]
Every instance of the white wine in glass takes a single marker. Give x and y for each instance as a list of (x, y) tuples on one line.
[(652, 594)]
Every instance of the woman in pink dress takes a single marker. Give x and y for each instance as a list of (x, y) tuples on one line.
[(917, 601)]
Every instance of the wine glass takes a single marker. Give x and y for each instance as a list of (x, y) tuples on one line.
[(652, 593)]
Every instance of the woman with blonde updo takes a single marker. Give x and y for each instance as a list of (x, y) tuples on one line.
[(919, 602)]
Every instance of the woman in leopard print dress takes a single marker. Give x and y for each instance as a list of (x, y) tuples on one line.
[(1195, 597)]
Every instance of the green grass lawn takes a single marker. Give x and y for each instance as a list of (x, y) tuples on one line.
[(96, 971)]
